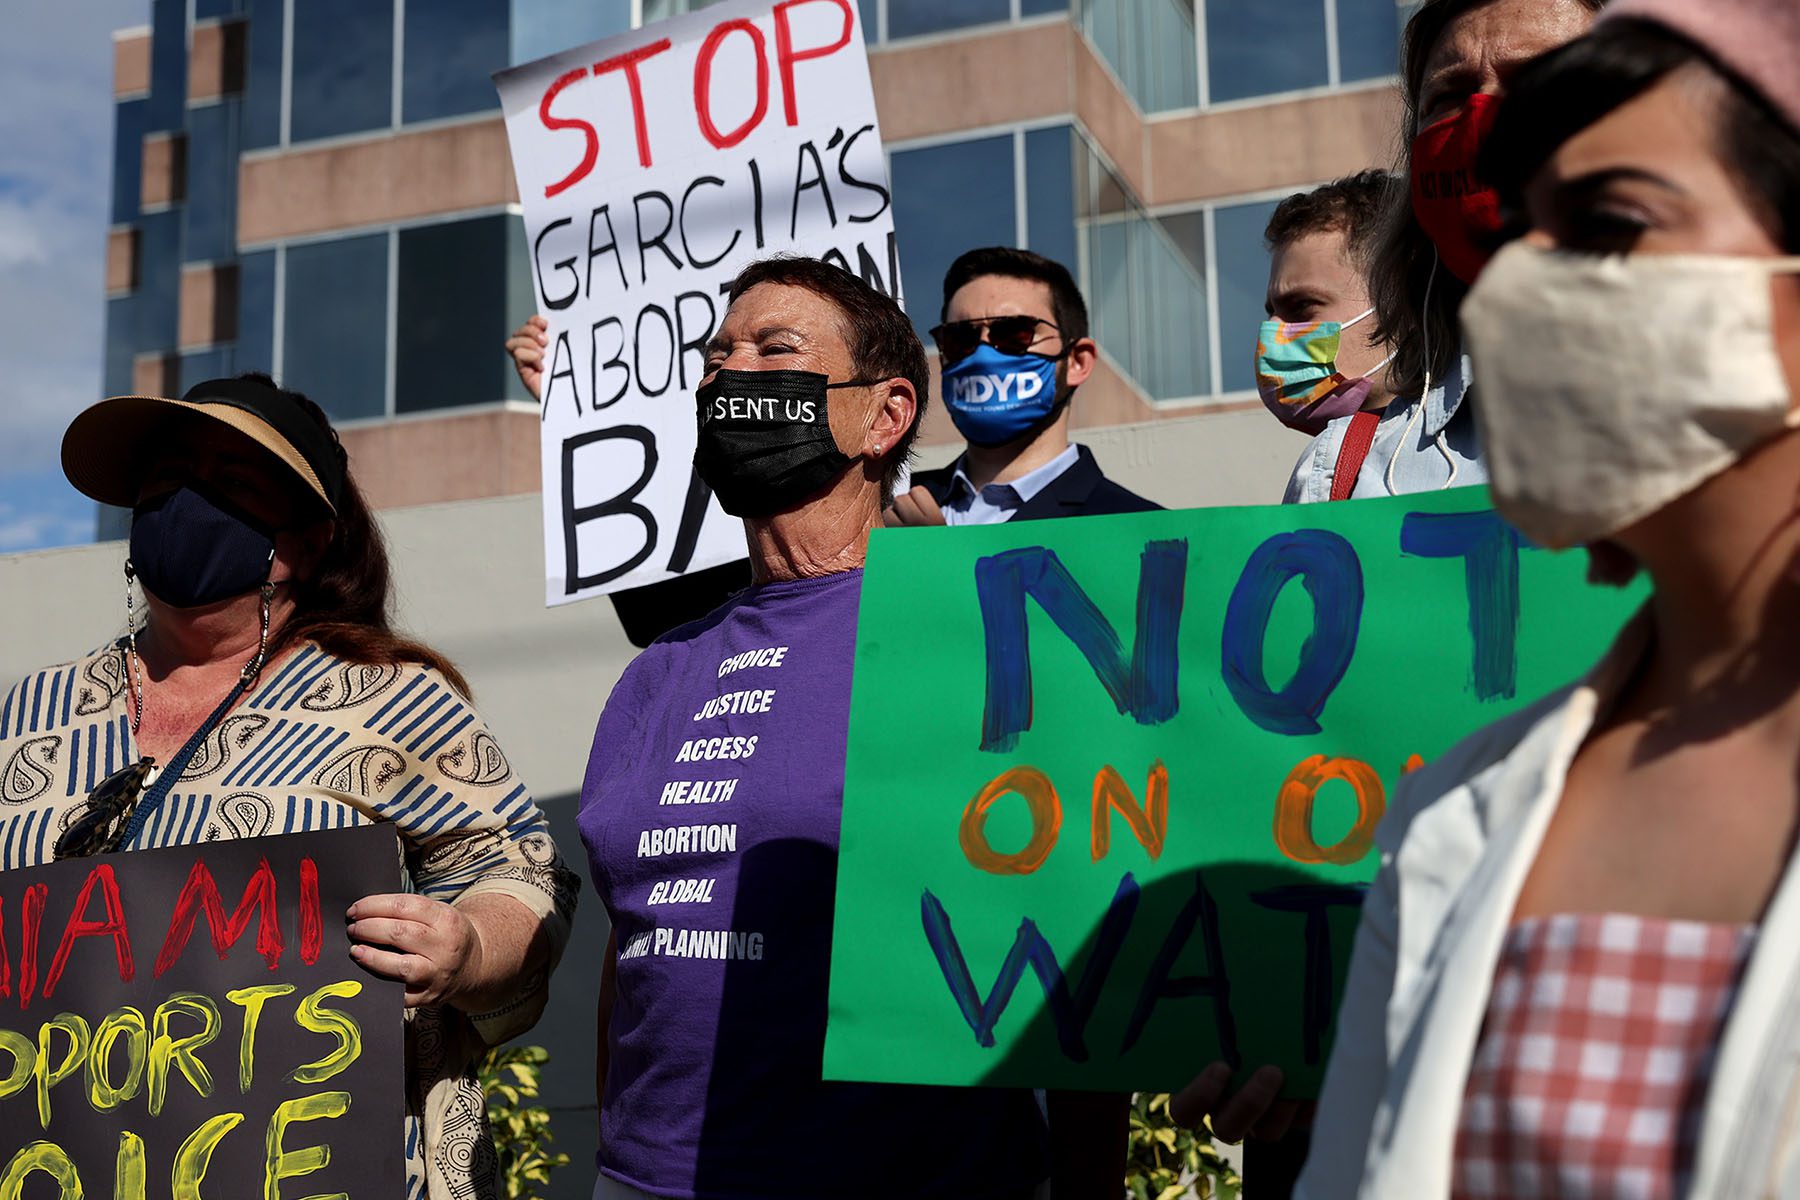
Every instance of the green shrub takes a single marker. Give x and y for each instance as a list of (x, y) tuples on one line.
[(509, 1076), (1166, 1160)]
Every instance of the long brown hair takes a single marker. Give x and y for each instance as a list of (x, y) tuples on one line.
[(345, 604), (1415, 300)]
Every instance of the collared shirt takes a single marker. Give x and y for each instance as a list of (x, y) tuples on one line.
[(1420, 446), (322, 743), (997, 502)]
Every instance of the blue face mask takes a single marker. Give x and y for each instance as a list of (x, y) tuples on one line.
[(995, 397), (190, 551)]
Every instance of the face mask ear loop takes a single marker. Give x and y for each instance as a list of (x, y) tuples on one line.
[(135, 665), (1425, 348)]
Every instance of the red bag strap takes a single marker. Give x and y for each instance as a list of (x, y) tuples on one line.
[(1353, 453)]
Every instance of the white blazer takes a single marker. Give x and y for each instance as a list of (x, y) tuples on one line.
[(1456, 845)]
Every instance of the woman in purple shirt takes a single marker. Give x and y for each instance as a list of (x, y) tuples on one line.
[(712, 801)]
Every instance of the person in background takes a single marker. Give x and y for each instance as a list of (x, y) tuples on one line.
[(645, 613), (1575, 971), (713, 999), (1456, 58), (265, 641), (1012, 348), (1317, 357)]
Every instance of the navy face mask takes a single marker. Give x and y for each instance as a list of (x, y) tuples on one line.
[(189, 550)]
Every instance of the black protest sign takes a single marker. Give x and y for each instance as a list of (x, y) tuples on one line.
[(188, 1022)]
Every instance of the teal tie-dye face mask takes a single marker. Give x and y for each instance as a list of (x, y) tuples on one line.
[(1297, 375)]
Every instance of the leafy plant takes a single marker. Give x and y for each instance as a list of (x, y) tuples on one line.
[(1167, 1161), (509, 1075)]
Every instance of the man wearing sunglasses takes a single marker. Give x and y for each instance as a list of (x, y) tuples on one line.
[(1012, 349)]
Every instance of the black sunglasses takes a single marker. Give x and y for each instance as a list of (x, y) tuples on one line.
[(956, 340), (107, 813)]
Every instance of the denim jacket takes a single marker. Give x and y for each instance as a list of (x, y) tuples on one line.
[(1428, 446)]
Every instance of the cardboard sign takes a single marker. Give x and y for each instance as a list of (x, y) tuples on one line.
[(652, 168), (1113, 782), (188, 1022)]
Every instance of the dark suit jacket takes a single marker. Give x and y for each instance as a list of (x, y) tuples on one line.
[(1080, 491)]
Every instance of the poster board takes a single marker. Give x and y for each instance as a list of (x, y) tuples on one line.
[(652, 167), (1112, 782), (188, 1021)]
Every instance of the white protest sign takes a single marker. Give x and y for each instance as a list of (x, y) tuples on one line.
[(652, 167)]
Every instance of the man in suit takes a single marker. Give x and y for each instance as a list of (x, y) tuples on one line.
[(1012, 348)]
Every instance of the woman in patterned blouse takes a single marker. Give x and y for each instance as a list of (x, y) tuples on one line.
[(264, 675)]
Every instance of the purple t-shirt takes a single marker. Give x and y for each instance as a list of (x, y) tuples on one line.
[(710, 814)]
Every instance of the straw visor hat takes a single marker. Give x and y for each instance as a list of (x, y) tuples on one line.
[(107, 448)]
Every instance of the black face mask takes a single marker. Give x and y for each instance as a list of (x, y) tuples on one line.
[(190, 549), (765, 441)]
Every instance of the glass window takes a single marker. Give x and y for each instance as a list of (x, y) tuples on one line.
[(334, 324), (1368, 39), (262, 75), (210, 214), (948, 199), (1150, 46), (1033, 8), (1260, 47), (1050, 194), (1243, 286), (521, 297), (908, 18), (343, 64), (204, 9), (203, 365), (866, 13), (541, 27), (159, 280), (168, 66), (256, 312), (452, 47), (450, 309), (128, 158), (121, 344)]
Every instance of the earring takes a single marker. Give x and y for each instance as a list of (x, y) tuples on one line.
[(253, 668), (136, 666)]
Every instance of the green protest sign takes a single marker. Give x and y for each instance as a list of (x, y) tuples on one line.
[(1112, 782)]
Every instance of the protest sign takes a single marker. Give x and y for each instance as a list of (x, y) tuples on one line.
[(1112, 782), (188, 1021), (652, 167)]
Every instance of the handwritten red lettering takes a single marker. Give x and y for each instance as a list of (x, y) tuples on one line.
[(787, 56)]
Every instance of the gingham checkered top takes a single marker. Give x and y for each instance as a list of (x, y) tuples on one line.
[(1593, 1063)]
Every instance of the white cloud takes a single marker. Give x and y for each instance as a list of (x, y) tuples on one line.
[(56, 128)]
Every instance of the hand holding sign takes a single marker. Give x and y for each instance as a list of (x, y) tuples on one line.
[(652, 167), (434, 948)]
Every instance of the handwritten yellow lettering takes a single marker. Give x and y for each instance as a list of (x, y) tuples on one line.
[(48, 1158), (282, 1164), (166, 1050), (196, 1154), (252, 1000), (314, 1018), (127, 1023), (81, 1036)]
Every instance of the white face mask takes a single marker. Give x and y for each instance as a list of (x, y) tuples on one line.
[(1608, 387)]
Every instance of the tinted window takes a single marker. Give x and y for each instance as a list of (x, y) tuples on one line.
[(210, 231), (1243, 266), (121, 344), (129, 123), (453, 287), (202, 365), (541, 27), (262, 75), (948, 199), (334, 325), (159, 279), (1368, 39), (1050, 194), (907, 18), (217, 8), (168, 65), (1260, 47), (256, 312), (1032, 8), (452, 46), (343, 66)]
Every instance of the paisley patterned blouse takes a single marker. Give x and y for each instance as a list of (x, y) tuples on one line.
[(323, 743)]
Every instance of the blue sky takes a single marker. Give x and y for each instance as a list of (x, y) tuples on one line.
[(55, 189)]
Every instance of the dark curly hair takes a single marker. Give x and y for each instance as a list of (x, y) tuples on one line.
[(1353, 204)]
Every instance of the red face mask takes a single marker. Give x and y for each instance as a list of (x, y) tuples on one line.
[(1460, 214)]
